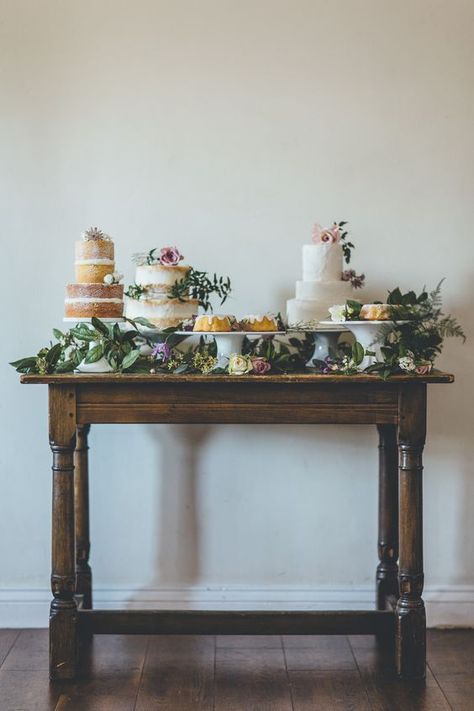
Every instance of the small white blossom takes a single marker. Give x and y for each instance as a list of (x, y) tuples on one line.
[(338, 312), (407, 362), (109, 279), (117, 277)]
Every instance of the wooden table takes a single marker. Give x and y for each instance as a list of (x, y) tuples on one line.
[(397, 407)]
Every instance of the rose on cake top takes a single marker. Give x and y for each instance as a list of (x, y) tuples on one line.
[(166, 256), (336, 234), (331, 235)]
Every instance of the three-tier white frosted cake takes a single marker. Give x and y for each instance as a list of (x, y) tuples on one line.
[(324, 282)]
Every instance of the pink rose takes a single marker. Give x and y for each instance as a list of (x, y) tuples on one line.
[(260, 365), (170, 256), (424, 368), (329, 236)]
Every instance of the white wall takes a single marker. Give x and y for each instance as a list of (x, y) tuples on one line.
[(228, 128)]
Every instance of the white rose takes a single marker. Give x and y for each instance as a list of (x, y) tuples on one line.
[(239, 364), (117, 277), (407, 363), (338, 312), (109, 279)]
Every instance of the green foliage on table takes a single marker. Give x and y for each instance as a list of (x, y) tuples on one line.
[(118, 347)]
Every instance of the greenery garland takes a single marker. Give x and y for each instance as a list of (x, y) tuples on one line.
[(409, 344)]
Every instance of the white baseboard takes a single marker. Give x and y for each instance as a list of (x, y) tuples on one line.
[(451, 605)]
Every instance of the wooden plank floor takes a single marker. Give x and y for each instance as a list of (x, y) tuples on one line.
[(126, 673)]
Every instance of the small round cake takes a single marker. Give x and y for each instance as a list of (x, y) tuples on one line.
[(253, 322), (376, 312), (213, 323)]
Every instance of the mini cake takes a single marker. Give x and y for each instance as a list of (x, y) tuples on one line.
[(267, 322), (213, 323), (376, 312), (96, 291), (149, 298)]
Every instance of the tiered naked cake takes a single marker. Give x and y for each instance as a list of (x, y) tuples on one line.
[(96, 291), (155, 278), (324, 282)]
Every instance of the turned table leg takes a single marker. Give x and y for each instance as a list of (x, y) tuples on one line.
[(63, 614), (387, 569), (410, 633), (81, 498)]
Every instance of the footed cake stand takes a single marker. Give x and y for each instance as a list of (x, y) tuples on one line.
[(325, 338), (229, 342), (102, 365), (366, 333)]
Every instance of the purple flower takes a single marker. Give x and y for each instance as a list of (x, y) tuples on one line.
[(357, 280), (170, 256), (260, 365), (162, 352)]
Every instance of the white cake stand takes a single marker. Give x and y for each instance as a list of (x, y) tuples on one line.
[(367, 333), (102, 365), (229, 342), (325, 338)]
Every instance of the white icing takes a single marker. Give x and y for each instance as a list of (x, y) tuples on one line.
[(252, 318), (322, 285), (158, 275), (322, 262), (91, 300), (160, 308), (93, 261)]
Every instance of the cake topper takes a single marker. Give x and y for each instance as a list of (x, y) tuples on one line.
[(93, 233)]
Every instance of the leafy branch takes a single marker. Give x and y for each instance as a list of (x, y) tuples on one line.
[(199, 285)]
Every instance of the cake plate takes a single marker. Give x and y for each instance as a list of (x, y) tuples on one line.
[(366, 333), (102, 365), (229, 342), (325, 338)]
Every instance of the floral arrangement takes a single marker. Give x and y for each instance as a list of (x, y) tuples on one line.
[(409, 345), (334, 235), (410, 342), (168, 256), (258, 358)]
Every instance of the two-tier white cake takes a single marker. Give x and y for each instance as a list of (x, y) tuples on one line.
[(150, 296), (321, 287)]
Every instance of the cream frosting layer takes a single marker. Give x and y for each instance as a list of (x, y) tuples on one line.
[(322, 262), (160, 308), (92, 300), (159, 277), (94, 261)]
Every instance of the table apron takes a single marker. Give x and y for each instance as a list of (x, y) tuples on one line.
[(237, 404)]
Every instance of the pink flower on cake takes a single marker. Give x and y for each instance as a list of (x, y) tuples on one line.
[(260, 365), (328, 236), (170, 256)]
